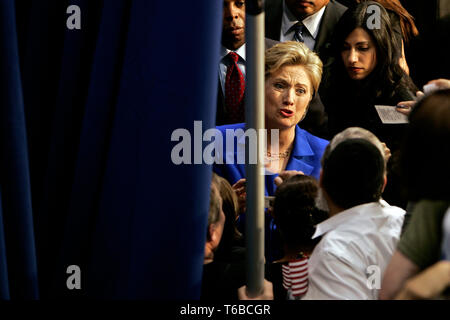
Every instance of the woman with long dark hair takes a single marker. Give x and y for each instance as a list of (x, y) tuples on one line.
[(365, 72), (403, 25)]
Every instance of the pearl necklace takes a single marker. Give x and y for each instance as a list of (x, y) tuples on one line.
[(277, 156)]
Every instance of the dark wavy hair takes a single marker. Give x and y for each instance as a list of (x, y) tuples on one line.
[(409, 29), (387, 74), (295, 212)]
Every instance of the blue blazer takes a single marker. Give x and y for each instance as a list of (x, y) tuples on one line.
[(305, 156)]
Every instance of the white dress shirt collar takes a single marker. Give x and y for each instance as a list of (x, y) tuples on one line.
[(311, 22), (223, 65), (342, 217), (240, 52)]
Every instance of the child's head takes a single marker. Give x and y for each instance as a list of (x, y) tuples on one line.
[(229, 208), (295, 211)]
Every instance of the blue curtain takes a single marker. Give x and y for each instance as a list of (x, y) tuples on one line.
[(17, 244), (86, 174)]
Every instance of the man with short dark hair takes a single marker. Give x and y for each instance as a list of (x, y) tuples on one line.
[(230, 100), (362, 232)]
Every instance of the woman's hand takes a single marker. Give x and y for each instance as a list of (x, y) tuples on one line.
[(267, 293), (284, 175), (405, 107), (240, 186), (240, 189)]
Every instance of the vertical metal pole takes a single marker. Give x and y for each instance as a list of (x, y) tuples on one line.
[(254, 115)]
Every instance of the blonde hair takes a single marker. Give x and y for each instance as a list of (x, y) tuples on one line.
[(292, 53)]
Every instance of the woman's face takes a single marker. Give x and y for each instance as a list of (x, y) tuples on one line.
[(359, 54), (288, 93)]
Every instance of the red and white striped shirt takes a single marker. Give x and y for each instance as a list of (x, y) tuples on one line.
[(295, 277)]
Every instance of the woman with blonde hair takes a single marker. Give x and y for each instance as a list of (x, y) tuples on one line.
[(292, 77)]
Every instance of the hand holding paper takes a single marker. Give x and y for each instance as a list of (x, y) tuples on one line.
[(389, 115)]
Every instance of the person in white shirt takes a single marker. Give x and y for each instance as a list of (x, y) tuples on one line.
[(362, 232)]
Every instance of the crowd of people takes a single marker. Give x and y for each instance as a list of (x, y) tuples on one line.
[(361, 207)]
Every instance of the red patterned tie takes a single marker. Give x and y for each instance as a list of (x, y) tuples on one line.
[(234, 90)]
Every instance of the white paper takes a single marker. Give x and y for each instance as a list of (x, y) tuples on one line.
[(389, 115)]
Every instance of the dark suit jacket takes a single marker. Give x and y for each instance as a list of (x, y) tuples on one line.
[(222, 116), (331, 16)]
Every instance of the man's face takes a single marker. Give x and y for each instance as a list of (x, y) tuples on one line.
[(233, 25), (304, 8)]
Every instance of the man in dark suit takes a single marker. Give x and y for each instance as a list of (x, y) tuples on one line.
[(319, 17), (311, 22), (231, 109)]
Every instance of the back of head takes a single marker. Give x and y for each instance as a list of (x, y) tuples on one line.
[(295, 212), (229, 208), (353, 173), (229, 198), (354, 133), (425, 158)]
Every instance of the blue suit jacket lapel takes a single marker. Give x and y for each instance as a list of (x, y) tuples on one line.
[(301, 149)]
